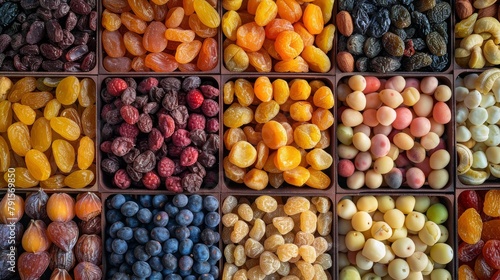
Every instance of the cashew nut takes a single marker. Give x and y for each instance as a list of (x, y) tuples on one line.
[(481, 4), (491, 52), (465, 27), (471, 41), (474, 177), (489, 25), (462, 53), (477, 60), (494, 169), (485, 80), (464, 159)]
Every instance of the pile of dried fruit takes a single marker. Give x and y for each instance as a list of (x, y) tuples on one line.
[(50, 126), (50, 35), (277, 237), (402, 237), (281, 140), (162, 36), (478, 229), (63, 235), (392, 132), (160, 132), (281, 35), (162, 237), (387, 36)]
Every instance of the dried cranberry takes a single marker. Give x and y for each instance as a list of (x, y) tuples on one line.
[(145, 123), (209, 91), (165, 167), (212, 125), (189, 156), (116, 86), (155, 140), (196, 121), (128, 130), (151, 180), (181, 138), (129, 113), (210, 108), (147, 84), (173, 184), (166, 125), (194, 99), (105, 147)]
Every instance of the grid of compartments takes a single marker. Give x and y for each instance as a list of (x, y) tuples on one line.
[(305, 139)]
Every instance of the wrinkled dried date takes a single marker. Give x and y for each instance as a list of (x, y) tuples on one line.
[(32, 22)]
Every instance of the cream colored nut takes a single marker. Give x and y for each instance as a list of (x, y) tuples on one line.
[(485, 35), (493, 136), (430, 233), (374, 250), (487, 100), (479, 132), (461, 53), (489, 25), (465, 27), (496, 90), (463, 134), (470, 81), (479, 147), (478, 116), (493, 114), (491, 52), (473, 99), (481, 4), (460, 93), (479, 160), (493, 155), (471, 41)]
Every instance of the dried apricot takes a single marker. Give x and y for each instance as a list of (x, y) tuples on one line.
[(470, 226)]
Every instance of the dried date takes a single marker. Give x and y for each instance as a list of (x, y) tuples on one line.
[(54, 31), (80, 7), (36, 32), (51, 52)]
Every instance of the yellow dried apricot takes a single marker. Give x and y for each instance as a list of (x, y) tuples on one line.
[(274, 135), (287, 158), (19, 138), (67, 90), (242, 154), (38, 164), (79, 179), (64, 155), (86, 151)]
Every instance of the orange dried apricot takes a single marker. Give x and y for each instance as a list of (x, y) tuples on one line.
[(265, 12), (299, 89), (322, 118), (470, 226), (306, 135), (242, 154), (263, 89), (301, 111), (250, 36), (288, 45), (323, 98), (274, 135), (297, 176), (313, 19), (256, 179), (287, 158)]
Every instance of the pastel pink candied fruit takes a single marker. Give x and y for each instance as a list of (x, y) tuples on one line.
[(403, 118), (441, 113), (420, 126), (415, 178), (345, 168), (380, 145)]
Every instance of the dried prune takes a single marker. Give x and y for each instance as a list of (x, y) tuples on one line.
[(347, 5), (156, 94), (145, 162), (29, 50), (170, 100), (355, 44), (9, 11), (198, 137), (190, 83), (133, 174), (17, 41), (61, 11), (44, 14), (400, 16), (109, 165), (421, 23), (372, 47), (80, 7), (29, 4), (67, 40), (380, 24), (361, 20), (32, 62), (439, 63), (383, 64), (4, 42), (121, 146), (171, 84), (435, 43), (393, 44), (71, 21), (212, 144), (180, 116), (151, 107), (52, 65), (50, 4), (362, 64), (417, 61)]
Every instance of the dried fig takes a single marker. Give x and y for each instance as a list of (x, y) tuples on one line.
[(31, 266), (88, 205), (61, 259), (7, 261), (92, 226), (89, 249), (60, 274), (87, 271), (35, 238), (61, 207), (63, 235), (36, 205), (11, 208)]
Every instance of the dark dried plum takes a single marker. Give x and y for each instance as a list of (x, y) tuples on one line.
[(421, 23), (436, 43), (54, 30), (380, 24), (30, 4), (61, 11), (346, 5), (362, 64), (4, 42), (50, 4), (9, 11), (372, 47), (35, 33), (439, 63), (383, 64), (393, 44), (417, 61), (50, 51), (400, 16), (171, 84), (361, 20), (440, 13), (355, 44)]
